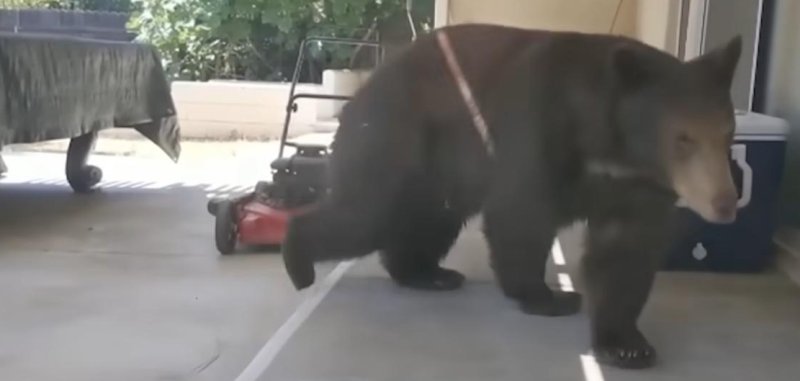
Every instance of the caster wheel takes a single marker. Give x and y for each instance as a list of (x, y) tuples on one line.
[(213, 205), (85, 179), (3, 168), (225, 234)]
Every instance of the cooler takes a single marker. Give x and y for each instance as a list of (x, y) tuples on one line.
[(757, 158)]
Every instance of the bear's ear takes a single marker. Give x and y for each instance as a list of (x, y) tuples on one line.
[(630, 67), (721, 62)]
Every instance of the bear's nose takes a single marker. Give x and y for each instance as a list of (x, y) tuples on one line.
[(724, 205)]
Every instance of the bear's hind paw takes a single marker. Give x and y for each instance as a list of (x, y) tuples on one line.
[(626, 356)]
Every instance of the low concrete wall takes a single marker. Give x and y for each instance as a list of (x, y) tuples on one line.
[(239, 109), (256, 110)]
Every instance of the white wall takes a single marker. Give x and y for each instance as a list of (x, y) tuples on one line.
[(654, 22), (657, 23), (592, 16), (240, 109)]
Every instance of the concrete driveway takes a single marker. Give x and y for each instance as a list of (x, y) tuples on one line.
[(126, 284)]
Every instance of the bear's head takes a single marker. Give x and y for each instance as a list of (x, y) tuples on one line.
[(677, 122)]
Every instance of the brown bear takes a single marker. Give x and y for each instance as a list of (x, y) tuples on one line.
[(577, 127)]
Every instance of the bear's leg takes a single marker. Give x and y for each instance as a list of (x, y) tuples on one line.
[(333, 231), (619, 267), (354, 218), (520, 234), (424, 228)]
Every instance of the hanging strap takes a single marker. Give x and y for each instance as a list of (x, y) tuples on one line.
[(464, 89)]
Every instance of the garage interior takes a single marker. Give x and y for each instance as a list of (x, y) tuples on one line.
[(125, 283)]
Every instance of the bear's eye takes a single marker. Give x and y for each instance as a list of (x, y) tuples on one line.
[(685, 142)]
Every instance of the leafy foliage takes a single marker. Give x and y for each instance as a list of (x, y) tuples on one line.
[(96, 5), (23, 4), (255, 39)]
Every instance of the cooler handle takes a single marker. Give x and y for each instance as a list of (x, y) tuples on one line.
[(739, 154)]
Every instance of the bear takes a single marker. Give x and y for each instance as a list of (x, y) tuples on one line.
[(579, 127)]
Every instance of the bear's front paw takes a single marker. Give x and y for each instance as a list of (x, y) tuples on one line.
[(299, 268), (636, 354), (557, 303)]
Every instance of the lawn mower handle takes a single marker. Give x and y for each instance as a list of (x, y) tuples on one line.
[(291, 106)]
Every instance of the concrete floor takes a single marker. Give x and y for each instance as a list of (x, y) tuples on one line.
[(125, 284), (706, 327)]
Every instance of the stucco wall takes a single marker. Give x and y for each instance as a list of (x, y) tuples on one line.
[(576, 15), (653, 21), (657, 23)]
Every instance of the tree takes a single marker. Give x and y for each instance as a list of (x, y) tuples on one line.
[(96, 5), (25, 4), (255, 39)]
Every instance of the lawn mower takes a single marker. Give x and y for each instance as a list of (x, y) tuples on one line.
[(260, 217)]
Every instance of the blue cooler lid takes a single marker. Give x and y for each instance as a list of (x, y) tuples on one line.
[(753, 125)]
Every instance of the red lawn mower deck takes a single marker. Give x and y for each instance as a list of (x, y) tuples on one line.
[(261, 217)]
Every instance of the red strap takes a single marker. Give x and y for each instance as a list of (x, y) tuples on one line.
[(463, 87)]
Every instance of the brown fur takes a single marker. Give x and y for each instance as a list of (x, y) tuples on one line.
[(584, 126)]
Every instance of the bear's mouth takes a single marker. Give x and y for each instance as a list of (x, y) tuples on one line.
[(715, 212)]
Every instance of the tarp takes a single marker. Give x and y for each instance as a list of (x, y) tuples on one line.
[(56, 87)]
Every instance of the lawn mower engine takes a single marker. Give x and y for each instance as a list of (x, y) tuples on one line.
[(261, 217)]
